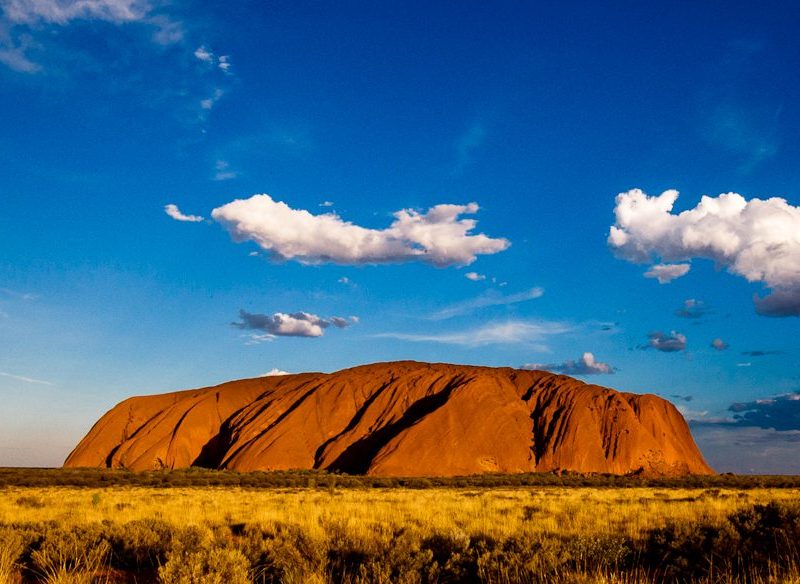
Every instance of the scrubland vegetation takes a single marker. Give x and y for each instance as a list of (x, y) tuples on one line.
[(325, 530)]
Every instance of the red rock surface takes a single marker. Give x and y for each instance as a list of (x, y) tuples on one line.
[(398, 419)]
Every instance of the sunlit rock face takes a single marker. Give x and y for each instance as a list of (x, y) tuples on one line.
[(398, 419)]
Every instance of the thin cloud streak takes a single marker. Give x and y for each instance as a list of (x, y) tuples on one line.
[(25, 379), (174, 212), (486, 300), (490, 334)]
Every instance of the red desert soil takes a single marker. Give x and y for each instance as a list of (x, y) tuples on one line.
[(398, 419)]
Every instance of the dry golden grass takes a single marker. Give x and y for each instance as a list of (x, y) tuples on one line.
[(372, 519), (498, 513)]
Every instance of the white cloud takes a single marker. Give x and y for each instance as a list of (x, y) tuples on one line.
[(24, 378), (296, 324), (204, 55), (168, 32), (326, 204), (22, 24), (586, 365), (437, 237), (173, 211), (274, 372), (224, 63), (756, 239), (490, 298), (474, 276), (13, 53), (18, 295), (209, 102), (491, 334), (666, 343), (224, 171), (61, 12), (666, 273)]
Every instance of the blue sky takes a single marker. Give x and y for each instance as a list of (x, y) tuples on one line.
[(358, 120)]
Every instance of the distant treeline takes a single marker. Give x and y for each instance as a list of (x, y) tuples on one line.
[(201, 477)]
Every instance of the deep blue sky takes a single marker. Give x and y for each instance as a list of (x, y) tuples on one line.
[(541, 113)]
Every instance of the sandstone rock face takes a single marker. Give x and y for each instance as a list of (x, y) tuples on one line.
[(398, 419)]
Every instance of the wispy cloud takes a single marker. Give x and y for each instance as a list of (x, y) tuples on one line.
[(18, 295), (14, 51), (210, 101), (22, 22), (223, 171), (686, 398), (490, 298), (135, 32), (666, 273), (24, 379), (496, 333), (173, 211)]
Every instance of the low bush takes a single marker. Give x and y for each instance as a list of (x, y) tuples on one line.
[(195, 559), (73, 555)]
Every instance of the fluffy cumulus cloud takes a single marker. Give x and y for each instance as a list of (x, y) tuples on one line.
[(440, 236), (296, 324), (275, 372), (666, 273), (174, 212), (666, 343), (719, 344), (474, 276), (586, 365), (758, 240)]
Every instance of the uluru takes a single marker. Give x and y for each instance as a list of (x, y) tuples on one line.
[(398, 419)]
